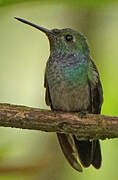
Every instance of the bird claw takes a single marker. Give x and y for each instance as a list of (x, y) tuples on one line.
[(82, 114)]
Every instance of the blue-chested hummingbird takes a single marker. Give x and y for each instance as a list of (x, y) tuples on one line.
[(72, 84)]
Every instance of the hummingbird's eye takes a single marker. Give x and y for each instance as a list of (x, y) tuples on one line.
[(69, 37)]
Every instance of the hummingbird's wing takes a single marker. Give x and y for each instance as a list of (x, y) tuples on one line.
[(47, 94), (89, 151), (96, 88), (66, 141), (97, 100), (69, 149)]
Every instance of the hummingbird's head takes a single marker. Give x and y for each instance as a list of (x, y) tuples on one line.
[(64, 41), (68, 41)]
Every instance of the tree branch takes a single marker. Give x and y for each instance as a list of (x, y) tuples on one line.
[(91, 126)]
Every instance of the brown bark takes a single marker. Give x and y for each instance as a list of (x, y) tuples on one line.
[(91, 126)]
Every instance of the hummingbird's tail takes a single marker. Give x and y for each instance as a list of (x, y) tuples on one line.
[(88, 151)]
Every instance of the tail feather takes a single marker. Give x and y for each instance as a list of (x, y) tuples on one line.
[(89, 152), (68, 148), (97, 158), (84, 151)]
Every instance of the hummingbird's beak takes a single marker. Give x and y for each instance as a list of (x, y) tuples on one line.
[(46, 31)]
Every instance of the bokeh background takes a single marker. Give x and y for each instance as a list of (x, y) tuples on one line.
[(35, 155)]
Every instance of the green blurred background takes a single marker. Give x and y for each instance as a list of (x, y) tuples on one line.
[(35, 155)]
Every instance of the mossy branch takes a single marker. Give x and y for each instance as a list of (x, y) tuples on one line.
[(91, 126)]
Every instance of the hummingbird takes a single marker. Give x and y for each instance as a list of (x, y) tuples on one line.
[(72, 84)]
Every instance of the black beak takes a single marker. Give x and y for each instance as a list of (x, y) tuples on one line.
[(46, 31)]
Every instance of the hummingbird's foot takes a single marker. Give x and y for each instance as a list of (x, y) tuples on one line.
[(82, 114)]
